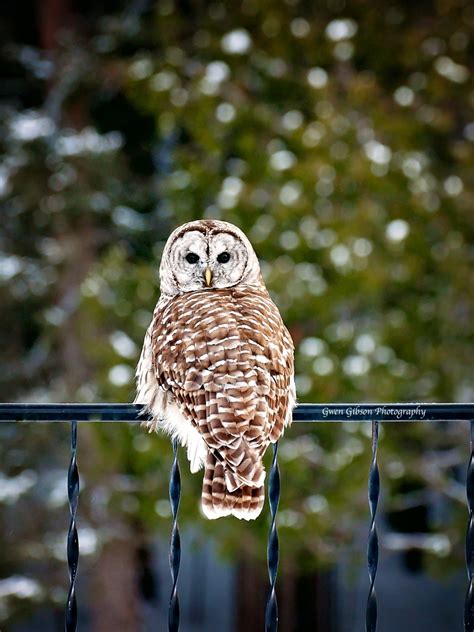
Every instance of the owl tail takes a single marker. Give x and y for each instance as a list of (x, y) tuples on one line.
[(245, 502)]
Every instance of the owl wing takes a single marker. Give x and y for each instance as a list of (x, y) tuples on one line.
[(227, 360)]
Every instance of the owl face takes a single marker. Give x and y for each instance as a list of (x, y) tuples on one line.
[(207, 254)]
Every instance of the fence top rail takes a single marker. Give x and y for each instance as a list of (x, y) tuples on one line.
[(347, 412)]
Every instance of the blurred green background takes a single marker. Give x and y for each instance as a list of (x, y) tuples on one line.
[(340, 137)]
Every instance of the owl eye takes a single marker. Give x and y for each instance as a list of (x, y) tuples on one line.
[(192, 257), (223, 257)]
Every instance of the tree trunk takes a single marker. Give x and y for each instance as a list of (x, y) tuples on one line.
[(251, 595), (53, 16), (114, 588)]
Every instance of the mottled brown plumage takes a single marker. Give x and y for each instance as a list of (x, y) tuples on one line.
[(217, 372)]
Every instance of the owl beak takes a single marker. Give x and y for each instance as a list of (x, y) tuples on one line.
[(208, 276)]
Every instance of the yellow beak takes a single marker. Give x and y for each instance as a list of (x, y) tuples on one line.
[(208, 276)]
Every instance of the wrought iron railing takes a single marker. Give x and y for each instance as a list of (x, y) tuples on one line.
[(373, 413)]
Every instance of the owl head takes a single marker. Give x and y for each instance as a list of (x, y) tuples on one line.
[(207, 254)]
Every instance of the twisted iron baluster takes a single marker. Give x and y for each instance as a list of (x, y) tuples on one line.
[(469, 602), (271, 612), (72, 539), (373, 543), (175, 542)]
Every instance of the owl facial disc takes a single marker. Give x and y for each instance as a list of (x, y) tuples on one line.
[(208, 254)]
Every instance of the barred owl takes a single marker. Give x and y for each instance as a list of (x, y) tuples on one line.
[(216, 369)]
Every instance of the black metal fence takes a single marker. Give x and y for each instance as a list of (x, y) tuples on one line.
[(373, 413)]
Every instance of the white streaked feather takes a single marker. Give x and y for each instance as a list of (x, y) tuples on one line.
[(166, 416)]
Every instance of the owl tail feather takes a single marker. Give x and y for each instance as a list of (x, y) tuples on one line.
[(244, 503)]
